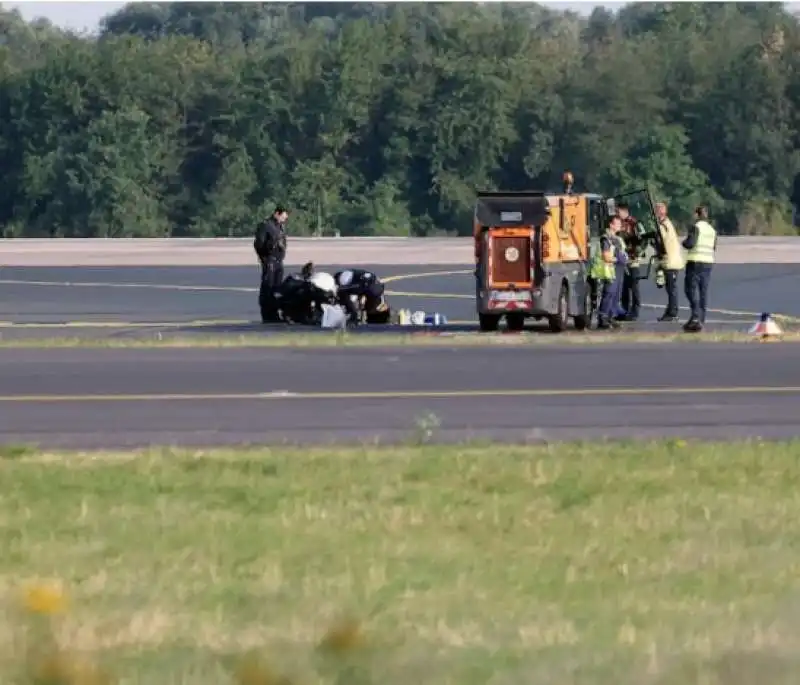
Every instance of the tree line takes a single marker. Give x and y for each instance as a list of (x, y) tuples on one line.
[(194, 119)]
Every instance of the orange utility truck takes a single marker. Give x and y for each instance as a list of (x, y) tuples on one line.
[(533, 252), (532, 256)]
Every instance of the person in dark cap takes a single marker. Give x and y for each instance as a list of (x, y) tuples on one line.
[(270, 246)]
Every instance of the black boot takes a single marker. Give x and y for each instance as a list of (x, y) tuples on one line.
[(604, 324)]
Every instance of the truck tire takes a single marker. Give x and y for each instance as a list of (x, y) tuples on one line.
[(558, 322), (488, 322), (515, 322), (583, 321)]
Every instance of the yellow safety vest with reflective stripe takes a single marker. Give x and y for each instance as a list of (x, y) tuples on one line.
[(703, 250), (622, 246), (601, 270)]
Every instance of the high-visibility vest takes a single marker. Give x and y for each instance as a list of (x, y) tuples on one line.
[(622, 247), (601, 270), (703, 250)]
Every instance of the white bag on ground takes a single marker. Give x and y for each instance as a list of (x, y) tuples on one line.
[(333, 316)]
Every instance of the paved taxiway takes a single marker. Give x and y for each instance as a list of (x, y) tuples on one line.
[(132, 301), (116, 398), (106, 398)]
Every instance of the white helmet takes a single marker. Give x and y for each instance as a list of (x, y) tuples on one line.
[(345, 278), (324, 281)]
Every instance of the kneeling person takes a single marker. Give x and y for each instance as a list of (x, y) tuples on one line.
[(354, 284)]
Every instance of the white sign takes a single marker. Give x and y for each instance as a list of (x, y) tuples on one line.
[(512, 254), (510, 216), (508, 296)]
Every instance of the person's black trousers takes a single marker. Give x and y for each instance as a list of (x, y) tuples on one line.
[(271, 278), (698, 277), (631, 297), (345, 294), (671, 286), (372, 293)]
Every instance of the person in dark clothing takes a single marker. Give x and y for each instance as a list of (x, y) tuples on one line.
[(299, 296), (270, 246), (292, 290), (701, 244), (631, 300), (360, 283)]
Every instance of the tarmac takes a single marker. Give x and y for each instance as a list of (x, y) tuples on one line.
[(41, 302), (122, 398), (356, 251), (115, 398)]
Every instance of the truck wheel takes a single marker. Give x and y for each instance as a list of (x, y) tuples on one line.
[(488, 322), (515, 322), (558, 322), (582, 321)]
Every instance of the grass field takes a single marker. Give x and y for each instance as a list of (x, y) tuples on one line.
[(618, 563)]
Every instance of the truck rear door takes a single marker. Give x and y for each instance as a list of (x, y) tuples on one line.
[(510, 257), (510, 222)]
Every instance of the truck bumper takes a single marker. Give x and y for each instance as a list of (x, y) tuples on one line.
[(508, 302)]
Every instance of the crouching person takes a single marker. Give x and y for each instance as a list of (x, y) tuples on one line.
[(357, 284)]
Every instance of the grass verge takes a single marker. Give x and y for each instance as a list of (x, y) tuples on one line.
[(671, 563), (427, 339)]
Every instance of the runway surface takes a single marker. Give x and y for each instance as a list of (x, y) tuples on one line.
[(117, 398), (133, 301), (108, 398)]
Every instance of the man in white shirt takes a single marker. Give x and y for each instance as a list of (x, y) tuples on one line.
[(672, 262)]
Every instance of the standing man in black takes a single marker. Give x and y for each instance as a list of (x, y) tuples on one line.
[(270, 246)]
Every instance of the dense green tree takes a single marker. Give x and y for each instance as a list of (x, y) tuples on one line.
[(384, 118)]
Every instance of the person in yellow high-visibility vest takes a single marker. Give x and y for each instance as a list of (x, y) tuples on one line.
[(701, 244), (604, 272)]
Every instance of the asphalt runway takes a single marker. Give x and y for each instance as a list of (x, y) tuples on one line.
[(119, 398), (132, 301), (85, 399)]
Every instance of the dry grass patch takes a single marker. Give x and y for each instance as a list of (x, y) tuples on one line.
[(323, 339), (615, 563)]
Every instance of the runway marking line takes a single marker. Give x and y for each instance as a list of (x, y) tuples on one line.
[(202, 288), (198, 288), (147, 286), (399, 395), (426, 274), (129, 324)]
